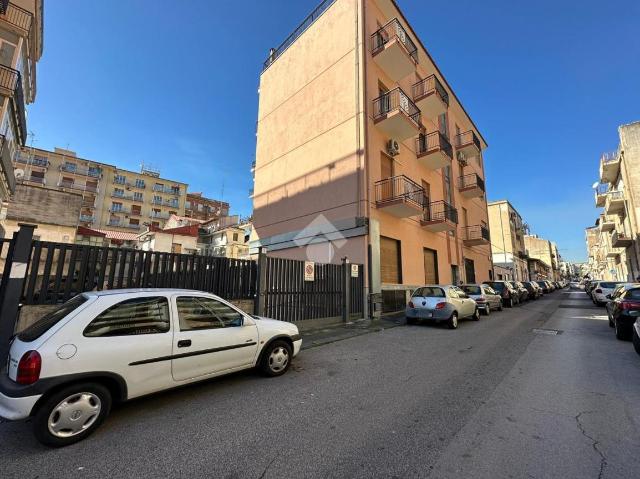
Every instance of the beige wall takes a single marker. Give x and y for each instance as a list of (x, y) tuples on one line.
[(507, 238), (44, 232)]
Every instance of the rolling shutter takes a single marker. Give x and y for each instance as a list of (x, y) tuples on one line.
[(430, 266), (390, 269)]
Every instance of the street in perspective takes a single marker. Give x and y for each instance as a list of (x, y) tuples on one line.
[(337, 276)]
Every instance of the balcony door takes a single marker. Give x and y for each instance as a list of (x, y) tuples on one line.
[(386, 171), (427, 193), (469, 270)]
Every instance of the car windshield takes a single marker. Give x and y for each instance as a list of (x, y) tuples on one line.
[(45, 323), (496, 286), (541, 283), (608, 285), (429, 292), (471, 289)]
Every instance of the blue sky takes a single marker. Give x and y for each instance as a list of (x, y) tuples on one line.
[(175, 86)]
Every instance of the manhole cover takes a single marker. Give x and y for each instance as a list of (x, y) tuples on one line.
[(551, 332)]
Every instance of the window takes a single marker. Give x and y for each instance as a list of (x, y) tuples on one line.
[(136, 210), (448, 193), (135, 222), (148, 315), (94, 171), (119, 179), (455, 275), (116, 207), (156, 224), (118, 192), (235, 236), (137, 196), (68, 166), (43, 325), (157, 199), (443, 125), (139, 183), (187, 205), (429, 292), (205, 313)]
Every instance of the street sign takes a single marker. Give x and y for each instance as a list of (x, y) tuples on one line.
[(309, 271), (354, 270)]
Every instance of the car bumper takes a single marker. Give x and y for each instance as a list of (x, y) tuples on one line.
[(432, 314), (483, 306), (636, 326), (297, 345), (17, 408)]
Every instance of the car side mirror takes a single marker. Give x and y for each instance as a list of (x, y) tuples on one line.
[(608, 296)]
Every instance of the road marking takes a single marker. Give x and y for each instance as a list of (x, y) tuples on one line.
[(551, 332)]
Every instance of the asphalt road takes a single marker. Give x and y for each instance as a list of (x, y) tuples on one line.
[(491, 400)]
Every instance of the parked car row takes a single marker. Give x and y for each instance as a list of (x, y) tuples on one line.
[(67, 369), (450, 303)]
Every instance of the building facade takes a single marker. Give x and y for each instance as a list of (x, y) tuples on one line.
[(507, 239), (21, 30), (364, 151), (113, 198), (618, 194), (204, 209), (546, 252)]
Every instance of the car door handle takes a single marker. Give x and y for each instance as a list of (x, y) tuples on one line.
[(184, 343)]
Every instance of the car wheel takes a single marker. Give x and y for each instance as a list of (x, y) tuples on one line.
[(276, 358), (621, 333), (636, 341), (611, 325), (453, 321), (511, 302), (500, 307), (476, 315), (71, 414), (411, 320), (487, 310)]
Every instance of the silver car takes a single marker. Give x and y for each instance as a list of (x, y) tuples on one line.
[(484, 296), (441, 304)]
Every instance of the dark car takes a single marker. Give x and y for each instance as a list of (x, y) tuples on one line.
[(624, 311), (508, 294), (546, 288), (533, 289)]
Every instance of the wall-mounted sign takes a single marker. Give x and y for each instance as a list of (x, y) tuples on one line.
[(354, 270), (309, 271)]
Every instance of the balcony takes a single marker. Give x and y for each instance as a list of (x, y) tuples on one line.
[(74, 170), (19, 19), (433, 150), (613, 253), (11, 86), (439, 216), (394, 51), (609, 167), (166, 190), (430, 97), (614, 203), (601, 194), (38, 180), (87, 219), (620, 240), (77, 186), (468, 143), (471, 186), (396, 115), (607, 224), (160, 216), (35, 161), (120, 210), (476, 235), (122, 196), (399, 196)]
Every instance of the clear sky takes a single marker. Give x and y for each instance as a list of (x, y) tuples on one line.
[(174, 84)]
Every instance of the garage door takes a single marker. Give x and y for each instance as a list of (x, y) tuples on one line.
[(430, 266), (390, 270)]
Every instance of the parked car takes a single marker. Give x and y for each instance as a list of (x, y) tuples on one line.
[(636, 336), (546, 287), (617, 291), (624, 311), (484, 296), (533, 289), (601, 290), (100, 348), (590, 286), (441, 304), (522, 291), (508, 294)]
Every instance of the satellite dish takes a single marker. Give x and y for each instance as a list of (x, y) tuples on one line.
[(595, 185), (19, 173)]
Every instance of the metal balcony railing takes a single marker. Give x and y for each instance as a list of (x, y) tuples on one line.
[(399, 188), (393, 30), (434, 141), (470, 181), (476, 232), (429, 85), (166, 190), (609, 157), (87, 218), (467, 138), (395, 99), (11, 84), (77, 186), (92, 172), (162, 216), (16, 16), (126, 197), (120, 210), (615, 195), (35, 161), (34, 179), (440, 211)]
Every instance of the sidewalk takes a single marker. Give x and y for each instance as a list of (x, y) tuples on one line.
[(313, 337)]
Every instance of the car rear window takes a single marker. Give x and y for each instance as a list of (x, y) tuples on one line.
[(608, 285), (45, 323), (429, 292), (496, 286), (632, 294), (471, 289)]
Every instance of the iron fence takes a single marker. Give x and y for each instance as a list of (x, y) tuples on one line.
[(472, 180), (432, 142), (468, 138), (428, 86), (393, 30), (440, 211), (395, 99), (399, 188), (476, 232)]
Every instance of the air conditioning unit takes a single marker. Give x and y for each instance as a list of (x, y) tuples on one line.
[(461, 158), (19, 173), (393, 147)]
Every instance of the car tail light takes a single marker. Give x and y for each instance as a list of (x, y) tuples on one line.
[(480, 300), (505, 294), (599, 291), (629, 305), (411, 304), (29, 368), (441, 305)]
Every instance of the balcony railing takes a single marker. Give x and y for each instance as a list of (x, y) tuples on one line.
[(166, 190), (34, 179), (35, 161), (120, 210), (77, 186), (433, 142), (393, 100), (620, 240), (391, 31), (468, 139), (94, 173), (470, 182), (476, 235), (87, 218), (440, 211), (11, 86), (431, 87), (161, 216), (16, 16), (399, 188)]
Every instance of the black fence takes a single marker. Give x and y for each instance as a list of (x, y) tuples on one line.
[(58, 271), (289, 297)]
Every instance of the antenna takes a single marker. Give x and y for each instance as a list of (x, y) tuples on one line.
[(222, 190)]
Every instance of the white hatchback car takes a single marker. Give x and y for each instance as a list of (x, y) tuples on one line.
[(99, 348), (602, 289)]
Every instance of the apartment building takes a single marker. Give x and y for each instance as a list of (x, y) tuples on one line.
[(113, 198), (507, 231), (618, 193), (21, 33), (228, 238), (547, 253), (606, 261), (364, 151), (205, 209)]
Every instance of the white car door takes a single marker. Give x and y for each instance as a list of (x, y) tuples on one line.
[(210, 337), (468, 305)]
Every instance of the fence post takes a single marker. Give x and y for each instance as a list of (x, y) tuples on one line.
[(346, 289), (261, 286), (15, 271)]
